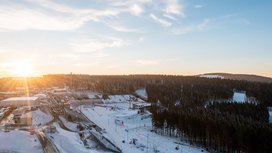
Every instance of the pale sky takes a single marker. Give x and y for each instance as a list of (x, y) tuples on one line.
[(184, 37)]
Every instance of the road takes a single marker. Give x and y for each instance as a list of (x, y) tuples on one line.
[(48, 146)]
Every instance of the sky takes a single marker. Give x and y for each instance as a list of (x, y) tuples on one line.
[(180, 37)]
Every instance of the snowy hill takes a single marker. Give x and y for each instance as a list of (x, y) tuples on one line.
[(211, 76), (142, 93), (246, 77), (124, 125)]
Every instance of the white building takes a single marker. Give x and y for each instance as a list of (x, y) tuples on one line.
[(41, 96), (20, 101), (239, 96)]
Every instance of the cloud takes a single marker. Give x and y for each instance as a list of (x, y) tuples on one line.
[(174, 7), (170, 17), (147, 62), (203, 25), (125, 29), (199, 6), (141, 39), (244, 21), (136, 10), (49, 16), (190, 28), (162, 22), (227, 20), (94, 45), (53, 16), (23, 19), (127, 2), (134, 7)]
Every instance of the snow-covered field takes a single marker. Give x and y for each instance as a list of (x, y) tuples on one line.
[(212, 76), (94, 94), (69, 142), (141, 93), (121, 99), (19, 141), (123, 124), (239, 97), (40, 118)]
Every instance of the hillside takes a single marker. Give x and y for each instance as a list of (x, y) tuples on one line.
[(247, 77)]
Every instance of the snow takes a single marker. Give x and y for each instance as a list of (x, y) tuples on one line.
[(21, 99), (239, 97), (121, 99), (68, 142), (40, 95), (70, 125), (270, 116), (134, 126), (90, 94), (19, 141), (39, 117), (7, 92), (142, 93), (93, 95), (212, 76)]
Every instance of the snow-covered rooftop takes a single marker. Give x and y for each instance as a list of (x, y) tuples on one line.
[(239, 97), (7, 92), (40, 95), (21, 99)]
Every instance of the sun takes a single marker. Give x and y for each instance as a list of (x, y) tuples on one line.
[(22, 69)]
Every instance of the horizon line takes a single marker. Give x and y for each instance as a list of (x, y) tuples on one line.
[(154, 74)]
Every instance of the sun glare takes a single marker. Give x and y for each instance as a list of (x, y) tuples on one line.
[(22, 69)]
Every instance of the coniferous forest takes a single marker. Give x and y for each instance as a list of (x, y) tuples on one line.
[(200, 112)]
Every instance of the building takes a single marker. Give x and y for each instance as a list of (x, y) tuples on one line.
[(139, 105), (18, 113), (4, 95), (239, 96), (22, 118), (57, 90), (20, 101), (41, 96)]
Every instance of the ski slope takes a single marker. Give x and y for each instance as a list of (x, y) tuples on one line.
[(132, 125)]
